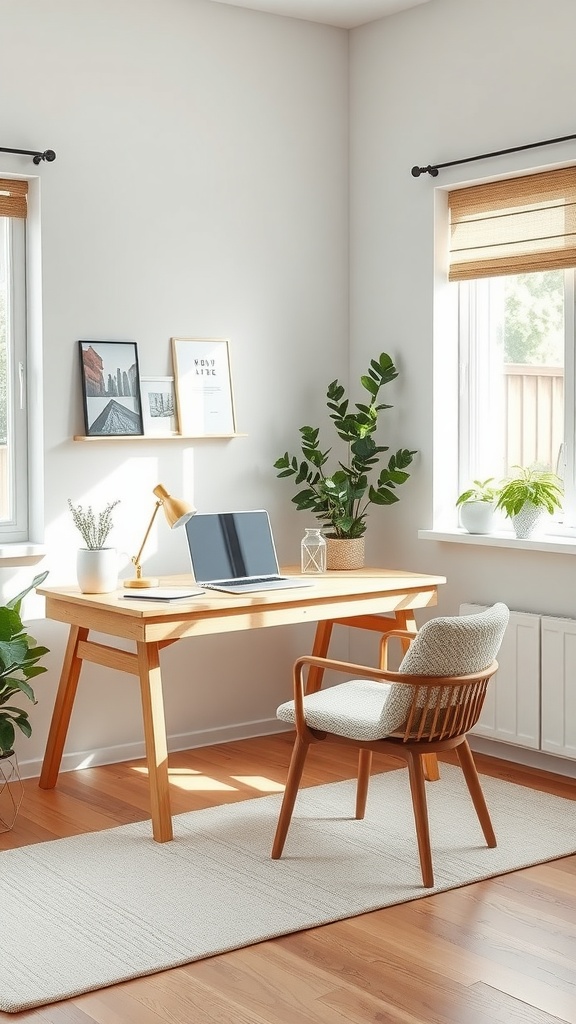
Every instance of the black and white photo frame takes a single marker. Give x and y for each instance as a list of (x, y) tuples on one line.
[(158, 406), (111, 388)]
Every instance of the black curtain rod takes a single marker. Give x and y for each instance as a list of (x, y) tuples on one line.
[(433, 169), (48, 154)]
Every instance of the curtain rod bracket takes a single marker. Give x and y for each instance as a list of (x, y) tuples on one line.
[(417, 171), (49, 155)]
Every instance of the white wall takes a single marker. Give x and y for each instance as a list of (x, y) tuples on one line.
[(200, 189), (445, 81)]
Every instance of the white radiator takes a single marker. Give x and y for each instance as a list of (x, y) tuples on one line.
[(531, 700)]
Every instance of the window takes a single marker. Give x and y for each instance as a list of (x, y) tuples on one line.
[(14, 524), (513, 250)]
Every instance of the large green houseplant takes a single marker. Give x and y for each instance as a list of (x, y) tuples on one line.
[(19, 662), (341, 498)]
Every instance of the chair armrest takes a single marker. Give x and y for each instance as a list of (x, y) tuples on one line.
[(315, 661), (385, 674)]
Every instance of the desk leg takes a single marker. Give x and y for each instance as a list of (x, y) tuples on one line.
[(155, 739), (62, 708), (319, 650), (406, 620)]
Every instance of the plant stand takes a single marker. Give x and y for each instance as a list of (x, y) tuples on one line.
[(11, 790)]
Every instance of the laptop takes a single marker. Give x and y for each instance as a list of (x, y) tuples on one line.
[(234, 552)]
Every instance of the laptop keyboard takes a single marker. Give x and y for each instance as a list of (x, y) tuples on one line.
[(243, 582)]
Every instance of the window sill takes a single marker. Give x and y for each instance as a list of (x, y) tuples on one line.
[(21, 554), (559, 544)]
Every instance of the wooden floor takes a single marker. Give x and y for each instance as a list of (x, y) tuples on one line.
[(496, 952)]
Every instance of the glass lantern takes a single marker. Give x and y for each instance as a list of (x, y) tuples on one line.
[(313, 552)]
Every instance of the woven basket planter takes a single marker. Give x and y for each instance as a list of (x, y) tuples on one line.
[(345, 553)]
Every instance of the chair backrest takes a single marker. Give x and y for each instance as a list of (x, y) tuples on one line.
[(456, 645), (447, 646)]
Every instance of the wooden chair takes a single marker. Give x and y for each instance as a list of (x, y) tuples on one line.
[(426, 707)]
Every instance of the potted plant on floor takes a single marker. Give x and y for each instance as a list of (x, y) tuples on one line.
[(97, 564), (19, 662), (341, 498), (477, 504), (526, 497)]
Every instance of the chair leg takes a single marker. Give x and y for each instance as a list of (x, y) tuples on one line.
[(295, 770), (473, 782), (364, 766), (431, 769), (418, 789)]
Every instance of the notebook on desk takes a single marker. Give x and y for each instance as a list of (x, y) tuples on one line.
[(235, 552)]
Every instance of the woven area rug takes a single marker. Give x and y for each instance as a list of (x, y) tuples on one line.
[(81, 913)]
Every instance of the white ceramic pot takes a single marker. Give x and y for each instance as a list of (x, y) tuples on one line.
[(477, 516), (527, 519), (97, 570)]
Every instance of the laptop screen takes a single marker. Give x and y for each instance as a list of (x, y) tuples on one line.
[(227, 545)]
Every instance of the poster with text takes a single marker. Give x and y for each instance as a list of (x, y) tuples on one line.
[(203, 386)]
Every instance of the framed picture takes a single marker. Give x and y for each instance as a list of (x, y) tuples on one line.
[(203, 383), (158, 406), (111, 388)]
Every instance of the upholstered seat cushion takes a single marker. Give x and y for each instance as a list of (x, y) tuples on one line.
[(361, 709)]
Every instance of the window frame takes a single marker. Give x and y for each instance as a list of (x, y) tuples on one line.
[(25, 546), (14, 528), (444, 452)]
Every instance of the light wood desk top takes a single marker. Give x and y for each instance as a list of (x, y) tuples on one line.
[(332, 595), (377, 599)]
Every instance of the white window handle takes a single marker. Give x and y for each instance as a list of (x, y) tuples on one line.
[(561, 460)]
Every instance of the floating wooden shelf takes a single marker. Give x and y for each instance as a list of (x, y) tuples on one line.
[(156, 437)]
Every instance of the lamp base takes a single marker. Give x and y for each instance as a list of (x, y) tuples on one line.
[(141, 584)]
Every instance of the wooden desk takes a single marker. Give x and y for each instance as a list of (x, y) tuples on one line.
[(377, 599)]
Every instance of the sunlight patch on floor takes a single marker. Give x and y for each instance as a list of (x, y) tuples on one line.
[(193, 781), (260, 782)]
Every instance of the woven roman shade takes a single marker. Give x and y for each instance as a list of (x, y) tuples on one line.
[(13, 197), (513, 226)]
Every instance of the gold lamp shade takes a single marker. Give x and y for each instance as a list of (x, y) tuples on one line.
[(177, 513)]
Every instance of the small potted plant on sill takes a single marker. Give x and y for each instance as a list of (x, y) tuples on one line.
[(526, 497), (19, 663), (341, 499), (477, 505), (97, 564)]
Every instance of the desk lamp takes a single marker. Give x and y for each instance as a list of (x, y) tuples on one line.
[(177, 513)]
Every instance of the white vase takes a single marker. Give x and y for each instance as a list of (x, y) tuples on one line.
[(97, 570), (477, 516), (527, 519)]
